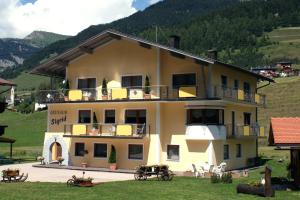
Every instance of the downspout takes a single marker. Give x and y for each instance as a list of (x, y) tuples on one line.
[(158, 107), (256, 115)]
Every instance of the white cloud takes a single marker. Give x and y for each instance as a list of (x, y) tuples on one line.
[(60, 16), (153, 1)]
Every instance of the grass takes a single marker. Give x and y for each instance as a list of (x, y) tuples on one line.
[(27, 81), (27, 129), (179, 188), (282, 100), (286, 44)]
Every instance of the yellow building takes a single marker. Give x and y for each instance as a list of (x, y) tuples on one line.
[(194, 110)]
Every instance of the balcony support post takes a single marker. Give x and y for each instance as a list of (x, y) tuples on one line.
[(209, 88), (210, 152)]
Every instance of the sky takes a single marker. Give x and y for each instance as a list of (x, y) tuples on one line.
[(19, 18)]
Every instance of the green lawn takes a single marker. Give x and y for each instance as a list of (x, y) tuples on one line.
[(29, 132), (27, 81), (179, 188), (286, 44)]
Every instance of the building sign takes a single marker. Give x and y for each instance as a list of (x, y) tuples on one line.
[(58, 117)]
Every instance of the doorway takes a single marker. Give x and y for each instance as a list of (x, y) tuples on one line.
[(56, 151)]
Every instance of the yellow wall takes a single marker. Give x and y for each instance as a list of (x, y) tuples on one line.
[(122, 57)]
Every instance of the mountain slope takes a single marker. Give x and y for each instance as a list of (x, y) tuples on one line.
[(14, 51), (42, 39), (167, 13), (282, 100)]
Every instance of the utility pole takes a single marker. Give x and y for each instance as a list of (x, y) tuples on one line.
[(156, 34)]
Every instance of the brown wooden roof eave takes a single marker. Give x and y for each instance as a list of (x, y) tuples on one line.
[(7, 140)]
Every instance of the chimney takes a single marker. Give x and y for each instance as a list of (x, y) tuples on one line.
[(174, 41), (212, 54)]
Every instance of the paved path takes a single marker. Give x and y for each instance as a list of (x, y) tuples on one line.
[(62, 175)]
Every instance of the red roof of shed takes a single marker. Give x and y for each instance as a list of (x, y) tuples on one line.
[(285, 131), (5, 82)]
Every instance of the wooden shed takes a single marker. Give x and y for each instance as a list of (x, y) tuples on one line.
[(285, 135)]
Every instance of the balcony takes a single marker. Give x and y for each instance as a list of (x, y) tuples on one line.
[(245, 131), (238, 95), (205, 132), (125, 131), (151, 93)]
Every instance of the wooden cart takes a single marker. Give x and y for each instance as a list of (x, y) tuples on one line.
[(162, 172), (80, 182), (9, 176)]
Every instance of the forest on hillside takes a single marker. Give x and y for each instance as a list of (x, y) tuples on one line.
[(235, 28)]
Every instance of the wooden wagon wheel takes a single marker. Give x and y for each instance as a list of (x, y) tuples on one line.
[(166, 175), (70, 182), (139, 176)]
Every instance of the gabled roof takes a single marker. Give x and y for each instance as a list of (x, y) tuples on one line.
[(6, 83), (285, 131), (56, 66)]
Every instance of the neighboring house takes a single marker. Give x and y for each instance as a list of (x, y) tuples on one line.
[(196, 110), (285, 135), (268, 71)]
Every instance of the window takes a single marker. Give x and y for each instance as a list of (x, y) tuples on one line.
[(84, 116), (238, 150), (226, 152), (132, 81), (247, 88), (135, 116), (224, 81), (173, 152), (100, 150), (79, 149), (183, 80), (86, 83), (236, 84), (135, 151), (247, 119), (110, 117), (205, 116)]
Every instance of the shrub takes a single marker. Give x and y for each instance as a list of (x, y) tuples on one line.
[(226, 178), (112, 156), (104, 87), (215, 178), (147, 89)]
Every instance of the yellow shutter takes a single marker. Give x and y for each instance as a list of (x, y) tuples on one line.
[(241, 95), (187, 92), (257, 98), (119, 93), (262, 131), (75, 95), (124, 130), (79, 129), (246, 130)]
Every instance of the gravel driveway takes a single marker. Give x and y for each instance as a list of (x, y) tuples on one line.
[(62, 175)]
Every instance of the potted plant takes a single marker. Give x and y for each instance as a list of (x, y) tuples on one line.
[(112, 158), (41, 159), (84, 163), (104, 89), (95, 129), (60, 160), (65, 89), (147, 89)]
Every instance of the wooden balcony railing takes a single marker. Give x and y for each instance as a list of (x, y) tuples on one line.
[(107, 130)]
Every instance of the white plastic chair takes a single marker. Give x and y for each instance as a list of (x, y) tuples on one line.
[(198, 173), (219, 170)]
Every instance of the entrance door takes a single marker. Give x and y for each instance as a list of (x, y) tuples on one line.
[(56, 151), (233, 123)]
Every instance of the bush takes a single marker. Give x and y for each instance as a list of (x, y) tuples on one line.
[(112, 156), (226, 178), (215, 178)]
